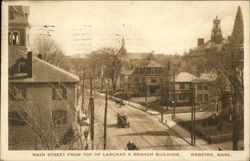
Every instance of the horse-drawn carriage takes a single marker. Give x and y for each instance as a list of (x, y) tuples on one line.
[(122, 121)]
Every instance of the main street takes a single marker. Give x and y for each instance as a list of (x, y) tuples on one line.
[(145, 130)]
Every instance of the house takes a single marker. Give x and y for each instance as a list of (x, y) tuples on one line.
[(201, 85), (187, 87), (181, 89), (146, 77), (41, 96)]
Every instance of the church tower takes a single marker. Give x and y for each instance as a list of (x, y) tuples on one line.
[(238, 29), (18, 31), (216, 35)]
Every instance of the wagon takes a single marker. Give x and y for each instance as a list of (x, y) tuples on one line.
[(122, 121)]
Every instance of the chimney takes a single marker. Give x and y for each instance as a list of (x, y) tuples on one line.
[(40, 56), (200, 41), (29, 64)]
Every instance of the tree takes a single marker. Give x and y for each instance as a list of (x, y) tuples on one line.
[(227, 62), (51, 52), (108, 62)]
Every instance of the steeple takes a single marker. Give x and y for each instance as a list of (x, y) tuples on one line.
[(123, 48), (238, 29), (216, 35), (123, 43)]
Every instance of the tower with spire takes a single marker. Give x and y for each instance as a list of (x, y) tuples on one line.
[(237, 36), (216, 35)]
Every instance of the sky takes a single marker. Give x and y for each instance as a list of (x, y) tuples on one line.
[(160, 26)]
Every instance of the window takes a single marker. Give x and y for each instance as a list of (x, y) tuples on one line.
[(136, 79), (206, 97), (182, 96), (21, 67), (153, 80), (16, 38), (15, 119), (59, 116), (199, 87), (199, 97), (11, 15), (205, 87), (58, 92), (17, 93), (182, 86), (10, 38)]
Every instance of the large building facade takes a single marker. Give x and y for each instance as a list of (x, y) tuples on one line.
[(41, 95)]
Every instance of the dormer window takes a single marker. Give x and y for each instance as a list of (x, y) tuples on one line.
[(12, 14)]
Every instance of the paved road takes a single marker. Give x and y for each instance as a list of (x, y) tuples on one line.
[(145, 130)]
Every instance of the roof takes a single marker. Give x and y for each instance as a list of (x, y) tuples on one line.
[(14, 55), (137, 55), (150, 63), (206, 77), (43, 71), (184, 77), (127, 72)]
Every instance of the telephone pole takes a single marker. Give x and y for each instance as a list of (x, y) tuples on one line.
[(105, 121), (193, 138), (146, 89), (162, 101), (173, 94), (92, 115), (83, 79)]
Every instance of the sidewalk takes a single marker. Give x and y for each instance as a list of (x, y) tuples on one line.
[(182, 132)]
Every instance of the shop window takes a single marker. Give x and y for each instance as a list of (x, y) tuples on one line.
[(58, 92), (59, 116)]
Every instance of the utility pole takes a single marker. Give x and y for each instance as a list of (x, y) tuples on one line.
[(92, 119), (105, 121), (162, 101), (235, 120), (173, 94), (146, 89), (193, 138), (92, 114), (91, 87), (83, 79)]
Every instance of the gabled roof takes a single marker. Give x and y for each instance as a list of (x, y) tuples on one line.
[(206, 77), (150, 63), (137, 55), (184, 77), (43, 71), (127, 72)]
